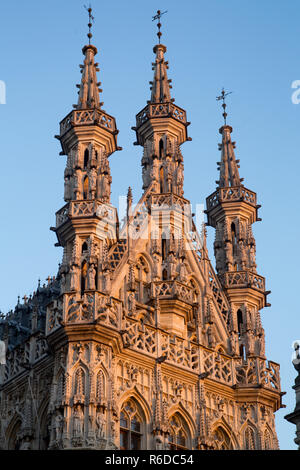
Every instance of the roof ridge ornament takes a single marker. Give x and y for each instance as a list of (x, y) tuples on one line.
[(222, 97), (158, 17), (90, 23)]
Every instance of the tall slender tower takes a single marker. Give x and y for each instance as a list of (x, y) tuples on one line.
[(231, 210), (137, 343)]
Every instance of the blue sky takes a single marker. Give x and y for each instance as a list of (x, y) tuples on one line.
[(250, 48)]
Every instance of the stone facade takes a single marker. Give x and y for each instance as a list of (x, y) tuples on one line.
[(138, 342)]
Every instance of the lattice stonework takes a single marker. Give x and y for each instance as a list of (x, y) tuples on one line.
[(139, 342)]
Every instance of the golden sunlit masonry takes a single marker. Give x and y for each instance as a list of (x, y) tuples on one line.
[(138, 342)]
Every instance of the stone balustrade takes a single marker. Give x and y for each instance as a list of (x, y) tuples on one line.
[(243, 279), (173, 290), (231, 194), (153, 110), (87, 116), (86, 208)]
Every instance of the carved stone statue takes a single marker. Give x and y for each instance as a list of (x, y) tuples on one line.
[(74, 278), (159, 443), (179, 180), (91, 277), (67, 193), (58, 425), (78, 422), (242, 255), (77, 185), (93, 182), (100, 424)]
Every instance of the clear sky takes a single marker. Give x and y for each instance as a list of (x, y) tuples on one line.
[(249, 47)]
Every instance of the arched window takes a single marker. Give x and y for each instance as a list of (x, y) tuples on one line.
[(178, 438), (234, 244), (243, 352), (163, 248), (85, 187), (161, 148), (86, 158), (79, 385), (222, 440), (100, 387), (14, 439), (267, 440), (84, 247), (130, 427), (249, 439), (239, 321)]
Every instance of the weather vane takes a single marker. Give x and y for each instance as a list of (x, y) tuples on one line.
[(222, 97), (91, 21), (158, 17)]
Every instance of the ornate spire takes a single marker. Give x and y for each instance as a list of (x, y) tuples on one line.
[(89, 87), (160, 87), (228, 166)]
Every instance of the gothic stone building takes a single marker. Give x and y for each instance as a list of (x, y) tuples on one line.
[(138, 342)]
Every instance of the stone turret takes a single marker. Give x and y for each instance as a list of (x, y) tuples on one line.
[(231, 210)]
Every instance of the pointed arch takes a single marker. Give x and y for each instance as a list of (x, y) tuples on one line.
[(86, 158), (181, 427), (250, 438), (268, 439), (188, 420), (79, 381), (42, 427), (161, 148), (12, 434), (136, 395), (134, 421), (100, 386), (223, 436), (84, 247)]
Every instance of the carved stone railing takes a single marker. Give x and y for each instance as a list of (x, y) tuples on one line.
[(231, 194), (86, 208), (243, 279), (91, 307), (189, 355), (154, 110), (169, 200), (258, 371), (62, 215), (173, 290), (87, 116)]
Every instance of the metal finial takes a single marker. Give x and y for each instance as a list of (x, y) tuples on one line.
[(158, 17), (222, 97), (91, 21)]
